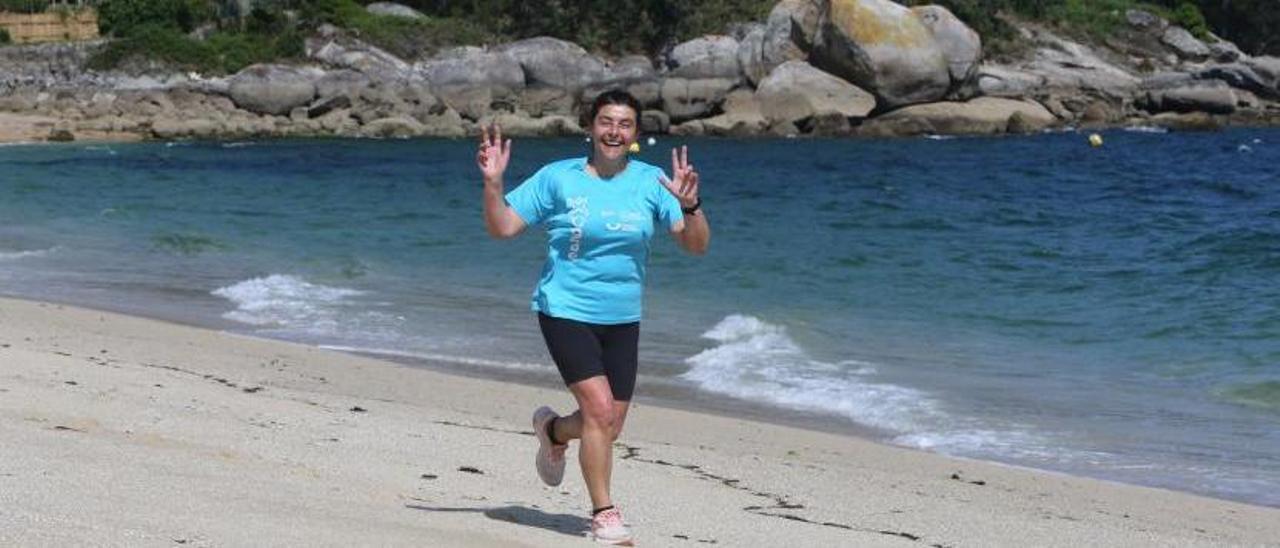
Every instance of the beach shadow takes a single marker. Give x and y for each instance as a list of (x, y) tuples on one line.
[(567, 524)]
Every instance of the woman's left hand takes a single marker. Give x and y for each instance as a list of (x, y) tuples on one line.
[(684, 180)]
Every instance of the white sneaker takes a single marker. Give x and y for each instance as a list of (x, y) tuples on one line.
[(550, 459), (607, 528)]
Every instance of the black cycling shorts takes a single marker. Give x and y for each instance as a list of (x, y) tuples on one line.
[(583, 350)]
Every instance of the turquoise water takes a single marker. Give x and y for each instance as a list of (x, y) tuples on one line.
[(1108, 312)]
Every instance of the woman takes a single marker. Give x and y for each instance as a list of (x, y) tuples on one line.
[(600, 212)]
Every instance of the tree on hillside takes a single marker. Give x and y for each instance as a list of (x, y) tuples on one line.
[(1254, 25)]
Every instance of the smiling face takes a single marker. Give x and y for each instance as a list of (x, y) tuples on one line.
[(612, 132)]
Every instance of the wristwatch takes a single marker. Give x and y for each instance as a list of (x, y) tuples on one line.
[(690, 210)]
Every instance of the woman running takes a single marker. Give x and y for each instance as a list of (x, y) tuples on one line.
[(600, 212)]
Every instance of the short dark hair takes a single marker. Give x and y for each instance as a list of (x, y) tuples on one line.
[(613, 97)]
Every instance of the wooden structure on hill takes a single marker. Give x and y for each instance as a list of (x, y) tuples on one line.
[(58, 25)]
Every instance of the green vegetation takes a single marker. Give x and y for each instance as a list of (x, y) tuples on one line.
[(1254, 25), (407, 38), (24, 6), (159, 30), (222, 53), (122, 17), (607, 26), (5, 38), (1091, 19)]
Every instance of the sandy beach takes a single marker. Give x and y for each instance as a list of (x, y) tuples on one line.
[(127, 431), (29, 128)]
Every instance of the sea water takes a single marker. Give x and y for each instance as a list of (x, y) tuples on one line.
[(1108, 311)]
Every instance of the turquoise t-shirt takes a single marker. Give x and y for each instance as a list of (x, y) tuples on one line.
[(598, 231)]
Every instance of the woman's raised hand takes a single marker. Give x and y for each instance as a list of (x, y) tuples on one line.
[(494, 153), (684, 179)]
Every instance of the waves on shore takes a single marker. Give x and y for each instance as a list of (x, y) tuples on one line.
[(758, 361), (23, 254), (282, 300)]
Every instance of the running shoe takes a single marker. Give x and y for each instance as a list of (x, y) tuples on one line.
[(550, 459), (607, 528)]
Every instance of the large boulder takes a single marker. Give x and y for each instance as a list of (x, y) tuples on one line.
[(19, 101), (984, 115), (750, 54), (1166, 80), (787, 35), (393, 127), (1251, 76), (273, 89), (901, 126), (471, 80), (1184, 44), (342, 83), (634, 74), (101, 104), (392, 9), (545, 100), (1067, 66), (654, 121), (883, 48), (796, 91), (1267, 67), (1188, 121), (418, 101), (685, 99), (1145, 21), (1214, 97), (448, 123), (961, 46), (378, 102), (742, 117), (166, 127), (706, 57), (517, 125), (1004, 81), (691, 128), (328, 104), (791, 31), (470, 65), (553, 62), (142, 104), (1223, 51), (360, 57)]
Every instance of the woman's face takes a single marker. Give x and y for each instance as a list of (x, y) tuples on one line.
[(613, 131)]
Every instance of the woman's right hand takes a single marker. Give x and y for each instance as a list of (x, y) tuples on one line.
[(494, 154)]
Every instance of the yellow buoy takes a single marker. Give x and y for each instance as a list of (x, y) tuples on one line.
[(635, 147), (1095, 140)]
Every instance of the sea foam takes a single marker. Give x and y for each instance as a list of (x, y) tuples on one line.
[(15, 255), (758, 361), (285, 301)]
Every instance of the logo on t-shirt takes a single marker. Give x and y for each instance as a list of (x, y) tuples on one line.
[(577, 218)]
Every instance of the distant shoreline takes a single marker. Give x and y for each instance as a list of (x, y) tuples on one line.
[(26, 129)]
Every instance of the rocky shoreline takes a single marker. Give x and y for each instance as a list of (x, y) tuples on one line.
[(861, 68)]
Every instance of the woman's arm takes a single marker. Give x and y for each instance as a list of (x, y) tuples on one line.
[(499, 219), (693, 233)]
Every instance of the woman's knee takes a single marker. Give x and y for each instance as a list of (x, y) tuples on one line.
[(601, 414)]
